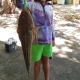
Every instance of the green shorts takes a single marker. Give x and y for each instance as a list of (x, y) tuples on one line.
[(39, 50)]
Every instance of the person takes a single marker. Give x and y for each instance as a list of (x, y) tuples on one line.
[(42, 14)]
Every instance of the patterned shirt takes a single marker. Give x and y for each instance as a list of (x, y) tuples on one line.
[(43, 20)]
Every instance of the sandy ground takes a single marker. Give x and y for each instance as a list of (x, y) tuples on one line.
[(66, 62)]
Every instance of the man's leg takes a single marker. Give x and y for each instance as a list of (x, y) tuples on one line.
[(37, 69), (46, 67)]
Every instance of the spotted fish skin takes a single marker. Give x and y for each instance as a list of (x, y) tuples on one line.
[(25, 31)]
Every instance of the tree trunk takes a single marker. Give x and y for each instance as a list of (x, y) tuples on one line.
[(0, 3), (8, 6), (14, 2)]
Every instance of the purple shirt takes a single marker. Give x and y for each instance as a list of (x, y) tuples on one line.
[(42, 20)]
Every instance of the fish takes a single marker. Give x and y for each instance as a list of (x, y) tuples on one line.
[(26, 32)]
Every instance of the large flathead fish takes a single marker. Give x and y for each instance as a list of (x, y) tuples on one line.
[(26, 31)]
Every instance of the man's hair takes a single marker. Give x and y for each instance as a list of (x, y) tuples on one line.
[(37, 0)]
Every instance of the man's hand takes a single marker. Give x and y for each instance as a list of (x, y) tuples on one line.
[(53, 43)]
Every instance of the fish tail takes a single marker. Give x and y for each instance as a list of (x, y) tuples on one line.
[(28, 76)]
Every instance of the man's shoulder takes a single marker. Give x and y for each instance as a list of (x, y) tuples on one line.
[(49, 7)]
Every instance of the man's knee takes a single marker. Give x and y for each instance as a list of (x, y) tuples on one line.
[(45, 60)]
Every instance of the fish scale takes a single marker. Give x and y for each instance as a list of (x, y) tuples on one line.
[(25, 33)]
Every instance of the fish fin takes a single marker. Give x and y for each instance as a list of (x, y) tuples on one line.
[(35, 30)]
